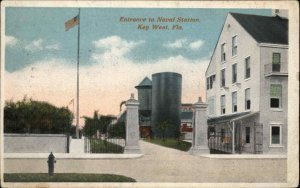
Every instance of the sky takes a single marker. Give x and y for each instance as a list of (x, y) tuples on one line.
[(115, 56)]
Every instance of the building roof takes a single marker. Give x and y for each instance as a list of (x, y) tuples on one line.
[(225, 118), (264, 29), (145, 83)]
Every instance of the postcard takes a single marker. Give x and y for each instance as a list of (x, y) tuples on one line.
[(149, 93)]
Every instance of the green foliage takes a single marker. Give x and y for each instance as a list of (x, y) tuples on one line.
[(98, 122), (65, 177), (172, 143), (30, 116), (162, 128), (117, 130), (103, 146)]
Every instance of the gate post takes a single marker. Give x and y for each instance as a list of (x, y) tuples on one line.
[(132, 126), (200, 144)]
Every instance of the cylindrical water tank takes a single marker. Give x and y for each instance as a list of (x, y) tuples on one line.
[(166, 102)]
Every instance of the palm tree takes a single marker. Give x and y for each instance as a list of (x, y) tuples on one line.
[(162, 128)]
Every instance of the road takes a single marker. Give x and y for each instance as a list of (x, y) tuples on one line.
[(161, 164)]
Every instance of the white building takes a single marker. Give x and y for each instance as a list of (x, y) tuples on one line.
[(247, 84)]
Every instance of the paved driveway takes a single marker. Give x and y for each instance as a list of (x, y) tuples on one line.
[(160, 164)]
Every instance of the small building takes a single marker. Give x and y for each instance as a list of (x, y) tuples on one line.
[(186, 127), (145, 104), (247, 85)]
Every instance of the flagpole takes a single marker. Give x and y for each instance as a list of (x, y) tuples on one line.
[(77, 93), (73, 110)]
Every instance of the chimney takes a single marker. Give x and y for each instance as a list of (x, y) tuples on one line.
[(281, 13)]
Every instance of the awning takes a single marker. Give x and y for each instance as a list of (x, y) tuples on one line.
[(225, 118), (245, 116)]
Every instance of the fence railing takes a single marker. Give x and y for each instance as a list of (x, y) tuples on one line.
[(276, 68), (219, 143), (104, 145), (109, 140)]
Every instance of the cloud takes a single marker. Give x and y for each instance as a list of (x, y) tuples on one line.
[(179, 43), (103, 84), (52, 47), (114, 47), (185, 44), (35, 45), (196, 45), (39, 45), (11, 41)]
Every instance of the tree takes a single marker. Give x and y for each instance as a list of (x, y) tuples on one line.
[(117, 130), (30, 116), (177, 135), (162, 128), (96, 123)]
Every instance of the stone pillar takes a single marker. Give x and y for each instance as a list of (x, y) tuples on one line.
[(132, 126), (200, 143)]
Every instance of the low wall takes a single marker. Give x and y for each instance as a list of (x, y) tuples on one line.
[(187, 135), (35, 143)]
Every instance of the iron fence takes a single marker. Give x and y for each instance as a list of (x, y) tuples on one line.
[(108, 140)]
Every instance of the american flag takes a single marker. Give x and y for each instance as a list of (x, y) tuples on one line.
[(71, 101), (72, 22)]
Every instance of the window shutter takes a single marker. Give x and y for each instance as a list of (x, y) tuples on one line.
[(247, 94), (276, 58), (275, 90)]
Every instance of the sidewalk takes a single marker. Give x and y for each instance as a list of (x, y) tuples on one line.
[(161, 164)]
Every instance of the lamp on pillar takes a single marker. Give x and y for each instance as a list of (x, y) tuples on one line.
[(199, 143)]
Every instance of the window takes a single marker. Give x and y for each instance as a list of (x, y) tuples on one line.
[(223, 54), (247, 99), (223, 110), (211, 106), (234, 73), (234, 45), (247, 67), (276, 62), (247, 135), (275, 95), (275, 134), (222, 78), (209, 82), (234, 102)]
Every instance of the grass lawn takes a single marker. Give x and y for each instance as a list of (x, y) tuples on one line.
[(171, 143), (102, 146), (65, 177)]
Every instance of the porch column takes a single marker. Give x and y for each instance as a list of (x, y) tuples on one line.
[(233, 141), (132, 126), (200, 143)]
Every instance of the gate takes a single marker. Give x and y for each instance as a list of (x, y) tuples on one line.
[(109, 139)]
